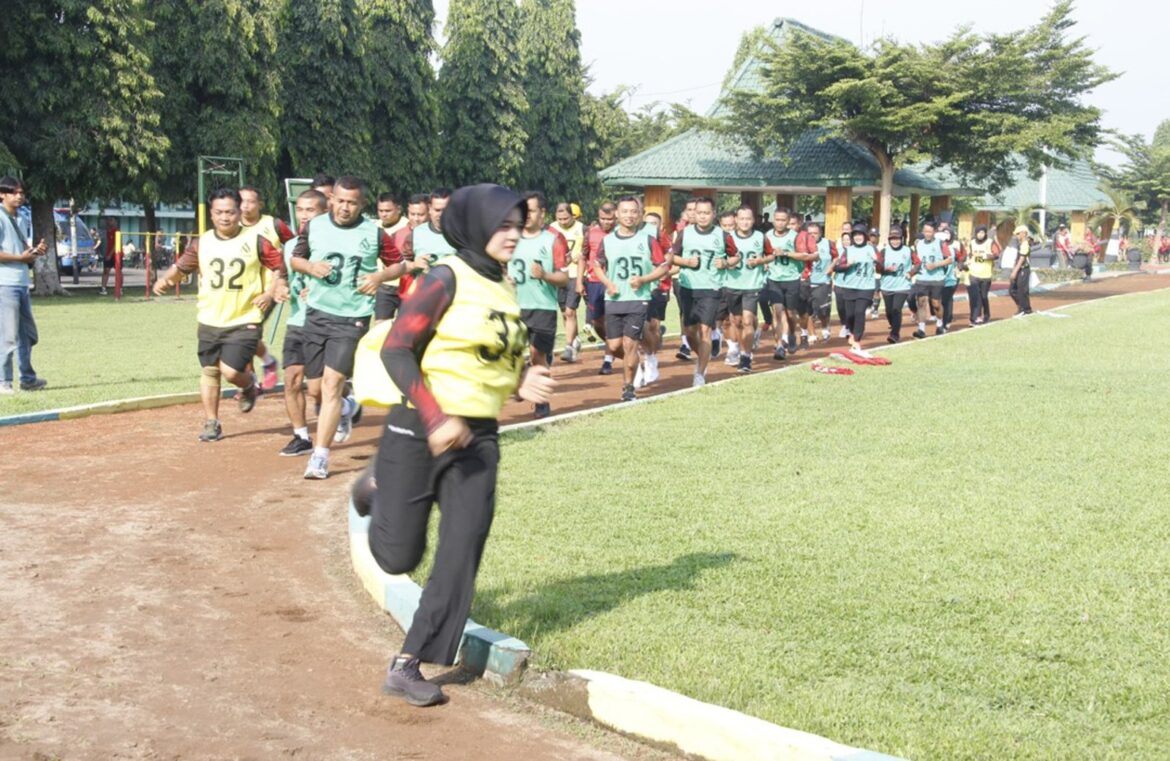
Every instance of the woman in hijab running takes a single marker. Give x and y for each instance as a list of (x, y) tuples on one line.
[(456, 352), (855, 269), (981, 267)]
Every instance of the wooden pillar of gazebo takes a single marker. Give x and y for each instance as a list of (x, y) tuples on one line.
[(966, 225), (875, 218), (983, 218), (939, 204), (786, 201), (1076, 226), (915, 213), (838, 210), (658, 201), (754, 199)]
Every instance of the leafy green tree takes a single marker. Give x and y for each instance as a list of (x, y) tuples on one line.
[(982, 106), (557, 159), (481, 94), (1145, 175), (81, 116), (753, 43), (216, 66), (326, 124), (405, 118)]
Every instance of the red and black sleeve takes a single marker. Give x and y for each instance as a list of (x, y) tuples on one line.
[(729, 245), (597, 258), (657, 257), (408, 339), (283, 231), (387, 251), (271, 256), (560, 251), (301, 249)]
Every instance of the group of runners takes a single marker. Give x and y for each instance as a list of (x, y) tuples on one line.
[(736, 286)]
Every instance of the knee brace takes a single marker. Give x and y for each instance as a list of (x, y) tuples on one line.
[(209, 377)]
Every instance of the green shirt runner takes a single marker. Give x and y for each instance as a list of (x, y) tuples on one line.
[(742, 277), (354, 251), (784, 268), (635, 256), (551, 250), (708, 245)]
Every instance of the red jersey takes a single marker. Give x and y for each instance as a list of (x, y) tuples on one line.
[(593, 237)]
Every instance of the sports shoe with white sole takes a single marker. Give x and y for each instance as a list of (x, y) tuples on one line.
[(698, 380), (246, 397), (318, 468), (639, 378), (405, 680), (212, 431), (628, 394), (651, 374), (296, 447)]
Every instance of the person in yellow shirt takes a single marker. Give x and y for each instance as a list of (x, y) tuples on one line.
[(1021, 284), (981, 263), (456, 352), (234, 294)]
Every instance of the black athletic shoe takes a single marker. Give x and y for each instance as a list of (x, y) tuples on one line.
[(745, 363), (541, 410), (296, 447), (628, 394), (940, 331), (892, 339), (920, 333), (247, 397), (792, 344), (212, 431), (683, 353), (804, 343), (606, 368), (363, 492), (356, 417), (404, 680), (779, 355), (716, 347)]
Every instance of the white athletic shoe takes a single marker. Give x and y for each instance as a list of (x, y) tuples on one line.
[(318, 467), (756, 340), (639, 377), (844, 333), (651, 373), (732, 359), (825, 335), (698, 380), (344, 425)]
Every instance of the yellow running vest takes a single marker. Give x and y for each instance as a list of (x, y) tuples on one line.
[(266, 228), (230, 276), (574, 236), (981, 264), (472, 364)]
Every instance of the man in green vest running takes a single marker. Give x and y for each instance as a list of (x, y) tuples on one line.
[(538, 269), (426, 245), (339, 252), (629, 262), (935, 256)]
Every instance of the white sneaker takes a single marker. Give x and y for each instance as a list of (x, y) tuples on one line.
[(651, 373), (756, 340), (344, 426), (576, 347), (732, 359), (318, 467), (698, 380), (825, 335), (844, 333), (6, 388), (639, 377)]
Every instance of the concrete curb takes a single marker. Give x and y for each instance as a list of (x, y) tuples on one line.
[(118, 405), (482, 651), (681, 724)]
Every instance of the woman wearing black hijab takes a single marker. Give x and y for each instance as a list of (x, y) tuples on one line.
[(456, 352), (981, 264)]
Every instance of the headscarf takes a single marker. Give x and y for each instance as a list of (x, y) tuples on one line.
[(472, 217), (980, 229)]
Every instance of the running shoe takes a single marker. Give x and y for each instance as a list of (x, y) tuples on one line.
[(779, 355), (716, 347), (745, 363), (404, 680), (651, 373), (606, 367), (567, 354), (212, 431), (732, 358), (318, 467), (541, 410), (6, 388), (683, 353), (756, 340), (804, 343), (296, 447), (920, 333), (270, 377), (589, 333), (103, 292), (892, 339), (344, 424), (33, 385), (247, 398), (844, 333), (628, 393), (940, 330), (825, 335), (698, 380), (639, 377)]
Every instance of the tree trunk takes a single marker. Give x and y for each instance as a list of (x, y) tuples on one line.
[(47, 275), (886, 162), (151, 220)]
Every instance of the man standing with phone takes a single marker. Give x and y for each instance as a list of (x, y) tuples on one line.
[(18, 330)]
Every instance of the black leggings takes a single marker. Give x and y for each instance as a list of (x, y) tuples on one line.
[(894, 305), (842, 305), (948, 303), (857, 304), (1021, 290), (410, 480), (978, 294)]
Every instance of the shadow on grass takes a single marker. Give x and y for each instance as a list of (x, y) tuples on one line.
[(563, 604)]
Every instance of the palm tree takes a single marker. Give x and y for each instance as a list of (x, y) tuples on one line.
[(1119, 213), (1013, 218)]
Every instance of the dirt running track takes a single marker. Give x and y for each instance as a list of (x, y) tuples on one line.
[(166, 599)]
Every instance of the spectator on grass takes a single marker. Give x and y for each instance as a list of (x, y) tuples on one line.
[(18, 330), (109, 252)]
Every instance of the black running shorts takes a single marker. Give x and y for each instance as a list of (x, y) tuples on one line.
[(234, 346), (331, 341)]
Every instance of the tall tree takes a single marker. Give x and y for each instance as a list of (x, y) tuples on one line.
[(556, 160), (81, 117), (399, 44), (481, 94), (328, 99), (1146, 173), (983, 106), (216, 66)]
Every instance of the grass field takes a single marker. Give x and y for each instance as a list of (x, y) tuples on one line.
[(93, 349), (962, 555)]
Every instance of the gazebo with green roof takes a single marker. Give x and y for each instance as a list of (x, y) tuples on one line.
[(705, 163)]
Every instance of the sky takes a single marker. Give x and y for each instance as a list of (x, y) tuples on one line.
[(679, 50)]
